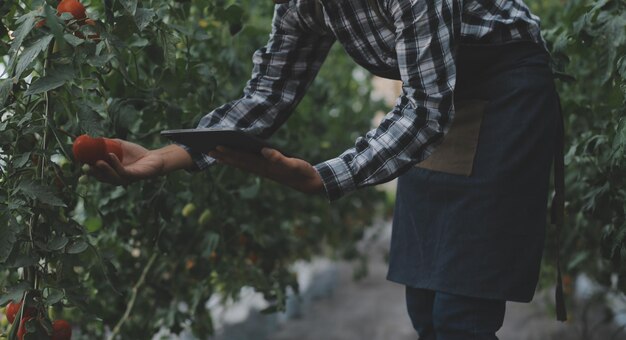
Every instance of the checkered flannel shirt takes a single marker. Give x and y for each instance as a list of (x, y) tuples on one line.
[(421, 46)]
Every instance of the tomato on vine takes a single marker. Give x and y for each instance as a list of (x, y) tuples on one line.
[(61, 330), (72, 6), (13, 309), (188, 209), (22, 330)]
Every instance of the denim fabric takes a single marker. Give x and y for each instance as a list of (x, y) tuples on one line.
[(441, 316), (482, 235)]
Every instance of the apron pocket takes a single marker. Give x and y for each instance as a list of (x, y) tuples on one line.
[(455, 154)]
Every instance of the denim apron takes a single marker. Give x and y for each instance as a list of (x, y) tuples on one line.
[(470, 219)]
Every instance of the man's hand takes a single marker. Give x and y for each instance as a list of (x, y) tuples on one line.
[(140, 163), (293, 172)]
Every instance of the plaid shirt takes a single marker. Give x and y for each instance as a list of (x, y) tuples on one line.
[(422, 49)]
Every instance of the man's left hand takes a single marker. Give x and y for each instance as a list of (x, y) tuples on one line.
[(293, 172)]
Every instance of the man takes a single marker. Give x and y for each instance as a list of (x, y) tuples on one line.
[(470, 214)]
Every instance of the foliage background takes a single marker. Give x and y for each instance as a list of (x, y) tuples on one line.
[(163, 64), (98, 250), (588, 43)]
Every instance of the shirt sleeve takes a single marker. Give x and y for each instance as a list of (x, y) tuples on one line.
[(282, 72), (425, 32)]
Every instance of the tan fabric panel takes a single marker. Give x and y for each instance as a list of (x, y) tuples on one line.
[(455, 155)]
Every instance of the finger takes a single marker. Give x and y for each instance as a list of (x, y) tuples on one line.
[(273, 155), (116, 164), (277, 158), (108, 174)]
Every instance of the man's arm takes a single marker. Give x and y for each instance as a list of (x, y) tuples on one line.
[(425, 32), (283, 71)]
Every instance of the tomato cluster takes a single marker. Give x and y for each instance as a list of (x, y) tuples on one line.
[(61, 329), (90, 150), (77, 10)]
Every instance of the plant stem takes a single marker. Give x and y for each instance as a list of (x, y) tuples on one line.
[(133, 297)]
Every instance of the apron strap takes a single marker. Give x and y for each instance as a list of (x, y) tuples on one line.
[(558, 211)]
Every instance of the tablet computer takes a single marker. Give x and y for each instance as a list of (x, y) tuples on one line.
[(206, 139)]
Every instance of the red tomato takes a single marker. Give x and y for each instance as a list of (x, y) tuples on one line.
[(89, 150), (61, 330), (13, 310), (22, 330), (114, 146), (72, 6)]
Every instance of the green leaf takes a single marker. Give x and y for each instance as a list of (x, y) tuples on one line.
[(24, 260), (89, 120), (58, 242), (72, 39), (5, 89), (234, 13), (21, 160), (622, 67), (9, 228), (211, 240), (578, 258), (129, 5), (168, 41), (52, 80), (77, 247), (54, 296), (27, 23), (93, 224), (99, 60), (30, 53), (15, 293), (40, 193), (251, 191), (143, 17)]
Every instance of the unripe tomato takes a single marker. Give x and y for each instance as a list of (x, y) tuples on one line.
[(90, 150), (72, 6), (61, 330), (188, 209), (205, 217)]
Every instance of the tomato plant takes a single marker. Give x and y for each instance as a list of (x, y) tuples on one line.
[(124, 262), (588, 44)]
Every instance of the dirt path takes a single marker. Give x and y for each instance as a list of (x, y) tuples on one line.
[(374, 309), (335, 307)]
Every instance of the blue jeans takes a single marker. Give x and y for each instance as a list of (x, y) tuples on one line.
[(441, 316)]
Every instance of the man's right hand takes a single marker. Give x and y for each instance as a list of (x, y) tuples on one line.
[(140, 163)]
